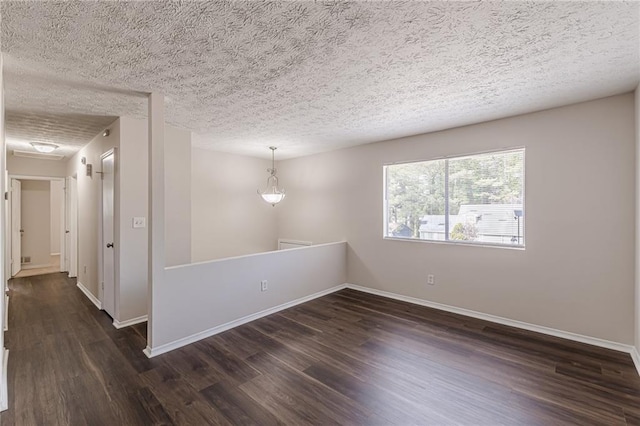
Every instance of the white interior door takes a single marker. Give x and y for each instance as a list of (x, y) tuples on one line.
[(71, 227), (108, 250), (64, 254), (16, 226), (7, 231), (62, 249)]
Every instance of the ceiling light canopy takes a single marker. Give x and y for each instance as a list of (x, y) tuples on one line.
[(272, 194), (44, 147)]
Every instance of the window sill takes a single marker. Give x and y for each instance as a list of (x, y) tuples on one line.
[(520, 247)]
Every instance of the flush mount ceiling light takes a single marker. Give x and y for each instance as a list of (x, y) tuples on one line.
[(272, 194), (44, 147)]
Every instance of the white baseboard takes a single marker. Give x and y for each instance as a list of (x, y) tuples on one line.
[(4, 393), (89, 295), (54, 254), (635, 356), (127, 323), (499, 320), (151, 352)]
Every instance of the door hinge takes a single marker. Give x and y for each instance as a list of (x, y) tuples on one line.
[(102, 285)]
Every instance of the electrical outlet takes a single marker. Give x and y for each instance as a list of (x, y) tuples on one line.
[(139, 222), (431, 279), (264, 284)]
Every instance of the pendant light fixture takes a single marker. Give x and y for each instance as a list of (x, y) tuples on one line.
[(272, 194)]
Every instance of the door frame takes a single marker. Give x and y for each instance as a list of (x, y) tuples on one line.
[(10, 221), (7, 232), (70, 227), (8, 240), (116, 235)]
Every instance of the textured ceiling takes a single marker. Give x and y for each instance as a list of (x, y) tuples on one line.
[(307, 76), (70, 131)]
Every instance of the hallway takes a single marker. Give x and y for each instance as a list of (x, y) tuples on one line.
[(67, 363)]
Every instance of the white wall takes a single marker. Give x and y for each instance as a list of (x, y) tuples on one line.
[(3, 240), (577, 272), (35, 216), (177, 186), (133, 178), (89, 207), (228, 216), (637, 248), (35, 167), (57, 199), (200, 299), (129, 137), (132, 165)]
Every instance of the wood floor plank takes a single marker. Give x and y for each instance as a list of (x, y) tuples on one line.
[(193, 367), (346, 358), (151, 405), (238, 407), (226, 362), (334, 405), (280, 402), (182, 403), (386, 404), (234, 343), (295, 359)]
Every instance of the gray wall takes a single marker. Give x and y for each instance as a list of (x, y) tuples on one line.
[(228, 216), (133, 178), (3, 237), (89, 210), (577, 272), (637, 248), (35, 167), (129, 136), (177, 181)]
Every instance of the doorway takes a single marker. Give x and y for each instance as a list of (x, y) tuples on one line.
[(36, 216)]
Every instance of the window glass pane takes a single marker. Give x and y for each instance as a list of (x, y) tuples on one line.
[(486, 194), (475, 199), (416, 191)]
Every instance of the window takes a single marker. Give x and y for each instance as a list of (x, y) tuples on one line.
[(473, 199)]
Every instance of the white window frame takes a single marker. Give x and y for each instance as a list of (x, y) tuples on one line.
[(385, 224)]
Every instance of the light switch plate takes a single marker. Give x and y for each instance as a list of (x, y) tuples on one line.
[(139, 222)]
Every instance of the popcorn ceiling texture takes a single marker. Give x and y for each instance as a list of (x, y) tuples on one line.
[(307, 76), (70, 131)]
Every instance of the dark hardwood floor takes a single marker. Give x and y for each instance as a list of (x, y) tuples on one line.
[(347, 358)]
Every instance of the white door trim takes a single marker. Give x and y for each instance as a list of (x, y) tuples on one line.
[(7, 232), (71, 225), (63, 213), (102, 243), (15, 239), (27, 177)]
